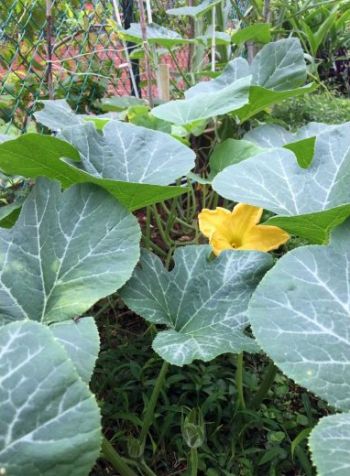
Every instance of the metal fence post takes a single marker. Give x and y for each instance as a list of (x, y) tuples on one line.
[(128, 18)]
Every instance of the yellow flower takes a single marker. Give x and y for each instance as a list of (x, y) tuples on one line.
[(239, 229)]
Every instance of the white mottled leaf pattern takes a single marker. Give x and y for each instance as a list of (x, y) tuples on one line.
[(274, 135), (273, 180), (300, 314), (194, 11), (156, 34), (57, 114), (329, 443), (70, 249), (280, 65), (122, 152), (277, 70), (204, 106), (81, 342), (49, 421), (202, 302), (129, 153), (236, 69)]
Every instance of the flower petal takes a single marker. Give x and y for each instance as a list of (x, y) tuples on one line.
[(264, 238), (211, 221), (219, 242), (244, 217)]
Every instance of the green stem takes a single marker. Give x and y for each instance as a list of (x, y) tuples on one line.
[(177, 219), (171, 216), (148, 228), (179, 69), (154, 247), (147, 470), (149, 413), (265, 385), (194, 462), (239, 381), (110, 454), (165, 238)]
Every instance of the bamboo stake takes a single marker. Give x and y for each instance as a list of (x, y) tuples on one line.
[(163, 80)]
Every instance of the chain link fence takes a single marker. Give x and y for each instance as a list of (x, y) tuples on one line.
[(65, 49), (57, 49)]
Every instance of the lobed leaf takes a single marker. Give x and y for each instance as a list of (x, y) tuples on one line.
[(130, 153), (204, 106), (203, 303), (50, 421), (156, 34), (81, 342), (35, 155), (70, 249), (302, 142), (329, 444), (259, 32), (195, 11), (276, 73), (273, 180), (280, 65), (300, 317)]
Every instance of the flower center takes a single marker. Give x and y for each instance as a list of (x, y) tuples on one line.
[(235, 244)]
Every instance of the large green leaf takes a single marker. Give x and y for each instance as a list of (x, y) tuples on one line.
[(204, 106), (203, 303), (195, 11), (35, 155), (259, 32), (81, 341), (57, 114), (9, 214), (123, 151), (65, 252), (229, 152), (156, 34), (300, 318), (130, 153), (273, 180), (280, 65), (302, 142), (261, 98), (315, 227), (221, 38), (226, 153), (274, 135), (120, 103), (236, 69), (276, 73), (233, 151), (329, 444), (49, 421)]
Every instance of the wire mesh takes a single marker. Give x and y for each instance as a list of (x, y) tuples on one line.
[(67, 49), (75, 55)]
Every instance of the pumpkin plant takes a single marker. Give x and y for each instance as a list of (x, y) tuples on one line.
[(76, 241)]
